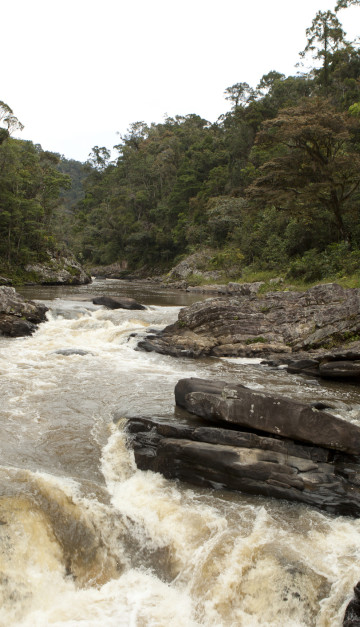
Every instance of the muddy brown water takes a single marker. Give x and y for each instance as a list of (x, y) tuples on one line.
[(86, 538)]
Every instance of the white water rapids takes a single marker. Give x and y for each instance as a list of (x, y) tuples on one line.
[(87, 539)]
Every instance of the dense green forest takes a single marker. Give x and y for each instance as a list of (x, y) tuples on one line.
[(273, 185)]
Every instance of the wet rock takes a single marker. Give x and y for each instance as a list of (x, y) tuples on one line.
[(72, 351), (279, 415), (276, 322), (19, 317), (340, 370), (215, 457), (117, 303), (352, 613), (340, 364)]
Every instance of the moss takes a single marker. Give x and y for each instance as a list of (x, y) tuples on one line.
[(256, 340), (71, 270)]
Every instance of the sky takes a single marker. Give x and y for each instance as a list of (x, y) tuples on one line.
[(77, 73)]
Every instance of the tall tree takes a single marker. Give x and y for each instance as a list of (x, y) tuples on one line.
[(311, 163), (344, 4), (324, 37), (8, 122)]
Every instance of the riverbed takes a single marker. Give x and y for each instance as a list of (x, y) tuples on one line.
[(87, 539)]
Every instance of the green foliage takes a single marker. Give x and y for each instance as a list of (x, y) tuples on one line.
[(30, 185), (256, 340), (272, 187), (336, 261)]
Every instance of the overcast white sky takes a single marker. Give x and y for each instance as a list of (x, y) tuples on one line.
[(77, 72)]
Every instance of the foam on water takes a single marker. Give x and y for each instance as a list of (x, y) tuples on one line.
[(86, 538)]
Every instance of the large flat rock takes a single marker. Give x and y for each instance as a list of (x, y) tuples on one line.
[(279, 415), (218, 458), (247, 325)]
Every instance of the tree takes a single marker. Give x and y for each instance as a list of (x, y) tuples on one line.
[(324, 37), (344, 4), (311, 164), (8, 122), (239, 94)]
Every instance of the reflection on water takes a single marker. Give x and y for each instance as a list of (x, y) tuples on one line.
[(87, 538), (144, 292)]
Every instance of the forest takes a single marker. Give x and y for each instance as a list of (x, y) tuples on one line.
[(273, 186)]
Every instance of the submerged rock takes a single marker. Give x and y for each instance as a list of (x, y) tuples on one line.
[(243, 443), (248, 325), (72, 351), (19, 317), (117, 303)]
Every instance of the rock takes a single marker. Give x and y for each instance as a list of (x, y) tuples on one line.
[(18, 316), (276, 322), (341, 364), (112, 271), (279, 415), (59, 270), (195, 264), (117, 303), (352, 613), (244, 289), (208, 289), (5, 281), (215, 457), (340, 370), (72, 351)]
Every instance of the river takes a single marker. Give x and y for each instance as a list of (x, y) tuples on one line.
[(87, 539)]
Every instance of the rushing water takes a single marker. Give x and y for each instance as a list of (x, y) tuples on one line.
[(86, 538)]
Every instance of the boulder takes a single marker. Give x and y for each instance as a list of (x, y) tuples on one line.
[(245, 325), (18, 316), (352, 613), (117, 303), (215, 457), (59, 270), (279, 415), (341, 364)]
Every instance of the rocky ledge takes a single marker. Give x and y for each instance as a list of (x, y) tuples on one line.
[(254, 443), (251, 326), (19, 316), (59, 270)]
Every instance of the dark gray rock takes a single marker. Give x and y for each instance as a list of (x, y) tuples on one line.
[(214, 457), (72, 351), (19, 317), (340, 370), (247, 325), (117, 303), (279, 415), (352, 613)]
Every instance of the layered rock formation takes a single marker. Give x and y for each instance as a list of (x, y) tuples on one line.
[(18, 316), (342, 364), (254, 443), (249, 326)]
